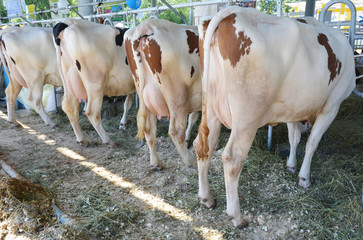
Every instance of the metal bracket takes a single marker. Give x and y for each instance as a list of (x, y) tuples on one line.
[(175, 11), (74, 10), (26, 20)]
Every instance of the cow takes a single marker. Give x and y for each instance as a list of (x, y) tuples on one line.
[(259, 69), (29, 54), (92, 62), (164, 60)]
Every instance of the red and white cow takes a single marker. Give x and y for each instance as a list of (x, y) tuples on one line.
[(30, 55), (261, 69), (164, 60), (92, 62)]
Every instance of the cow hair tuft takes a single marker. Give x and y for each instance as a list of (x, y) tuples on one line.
[(119, 39), (57, 29)]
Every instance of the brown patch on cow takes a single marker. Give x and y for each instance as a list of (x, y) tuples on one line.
[(301, 20), (191, 72), (78, 65), (12, 59), (192, 42), (158, 79), (334, 65), (130, 58), (153, 55), (230, 46), (61, 53)]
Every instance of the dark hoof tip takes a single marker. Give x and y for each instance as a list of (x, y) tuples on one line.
[(243, 224), (291, 170), (156, 168), (83, 143)]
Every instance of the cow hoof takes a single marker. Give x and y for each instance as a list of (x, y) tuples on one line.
[(192, 164), (52, 125), (14, 124), (156, 168), (303, 182), (208, 203), (83, 143), (122, 126), (112, 145), (291, 169), (239, 223)]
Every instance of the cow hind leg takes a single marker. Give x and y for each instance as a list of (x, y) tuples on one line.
[(127, 107), (146, 125), (294, 139), (192, 119), (321, 124), (12, 92), (70, 106), (150, 136), (233, 158), (177, 133), (93, 112), (36, 98), (204, 145)]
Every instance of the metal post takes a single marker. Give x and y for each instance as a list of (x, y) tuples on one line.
[(134, 19), (153, 13), (191, 16), (279, 7), (269, 138), (55, 99), (310, 8)]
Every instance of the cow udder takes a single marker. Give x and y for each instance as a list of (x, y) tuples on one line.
[(153, 98)]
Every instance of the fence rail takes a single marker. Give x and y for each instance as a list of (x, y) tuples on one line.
[(112, 14)]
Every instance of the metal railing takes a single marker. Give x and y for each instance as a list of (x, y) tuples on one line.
[(110, 15)]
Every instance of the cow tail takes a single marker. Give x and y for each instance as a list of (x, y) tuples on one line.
[(2, 56), (141, 121), (57, 29), (201, 144), (143, 113)]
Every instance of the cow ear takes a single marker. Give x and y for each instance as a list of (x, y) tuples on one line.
[(57, 29)]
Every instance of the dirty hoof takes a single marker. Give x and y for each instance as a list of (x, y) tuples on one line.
[(14, 124), (239, 223), (122, 126), (192, 164), (208, 203), (83, 143), (291, 169), (156, 168), (303, 182), (52, 125), (112, 145)]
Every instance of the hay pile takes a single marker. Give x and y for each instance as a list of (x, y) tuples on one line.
[(24, 207)]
